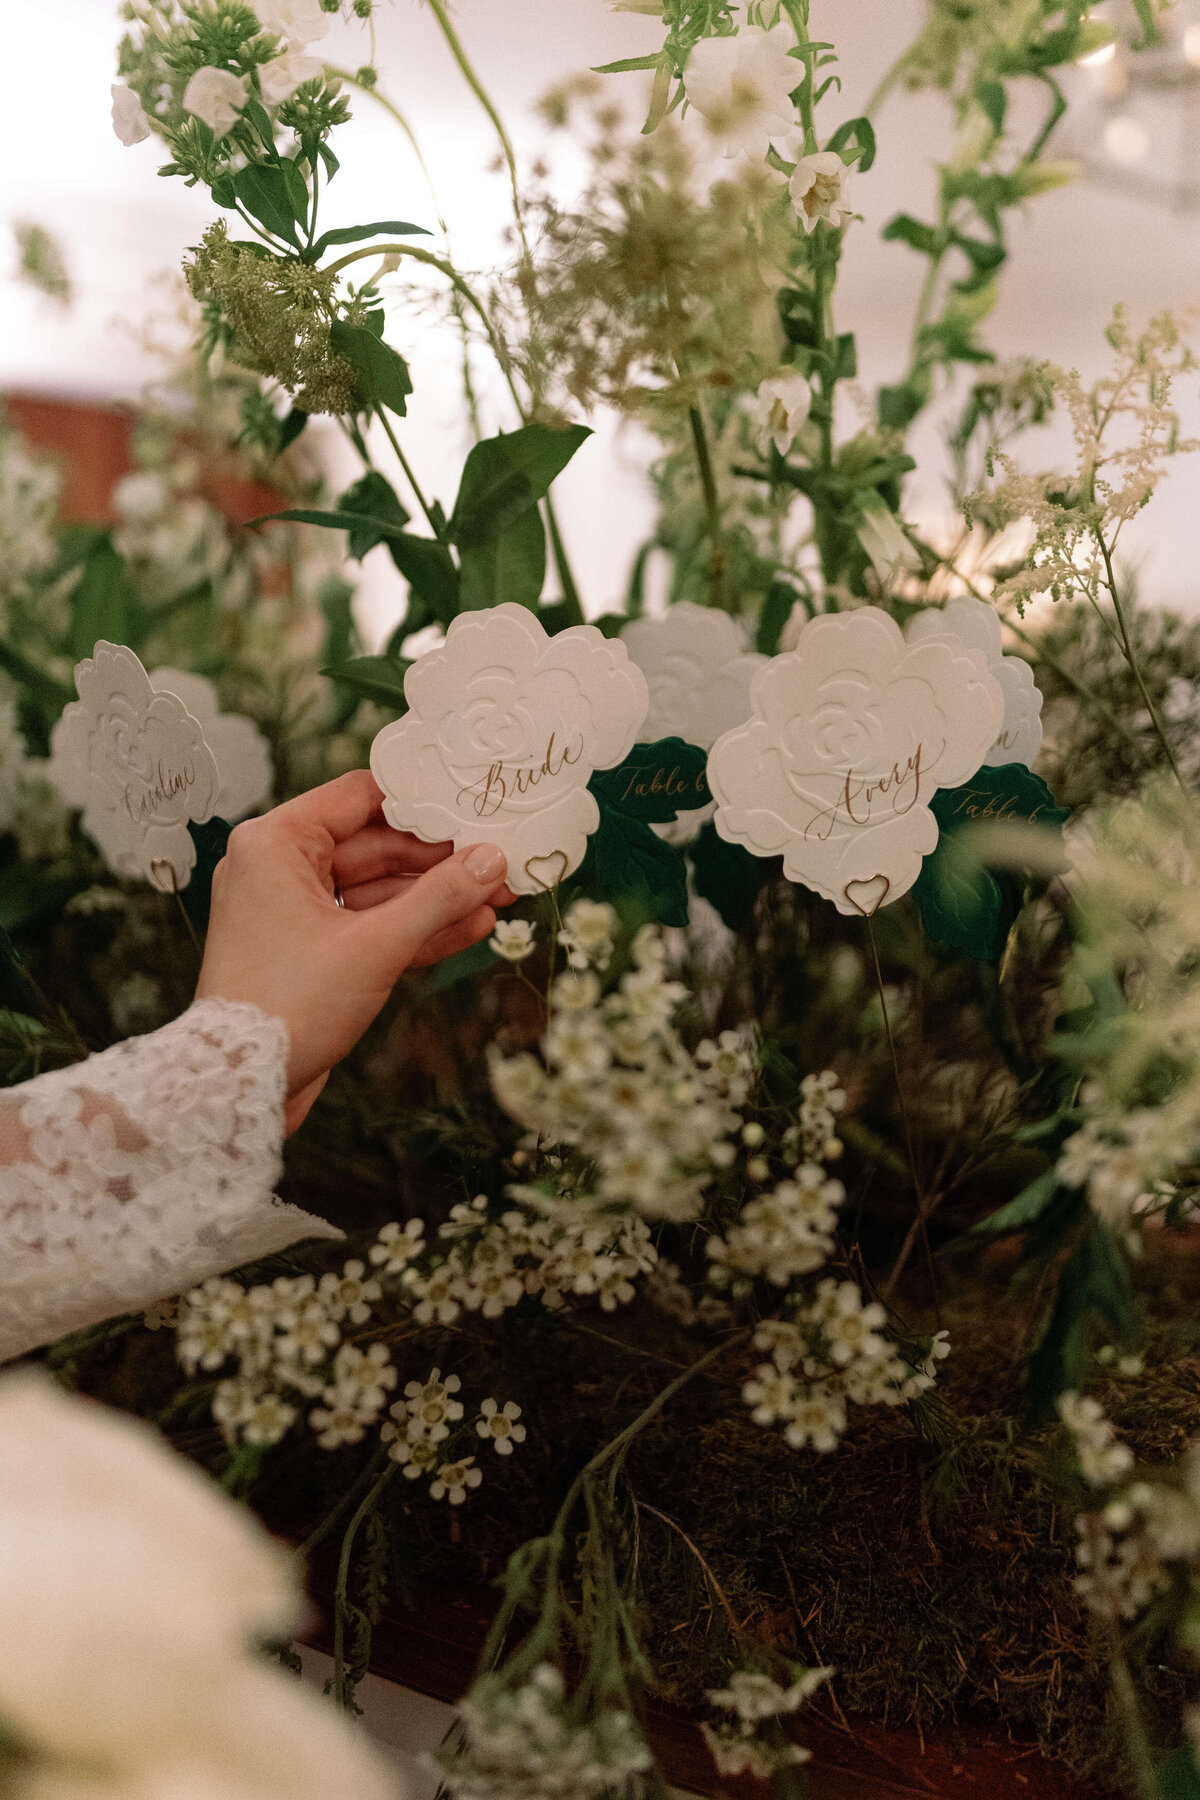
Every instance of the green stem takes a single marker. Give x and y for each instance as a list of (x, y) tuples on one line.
[(570, 593), (393, 110), (1131, 659), (340, 1693), (477, 88), (410, 476), (1137, 1744), (318, 1536), (712, 507)]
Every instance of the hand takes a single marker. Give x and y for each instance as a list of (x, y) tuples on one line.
[(278, 939)]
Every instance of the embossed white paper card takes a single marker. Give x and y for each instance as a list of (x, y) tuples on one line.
[(242, 754), (852, 732), (136, 763), (505, 728), (975, 624)]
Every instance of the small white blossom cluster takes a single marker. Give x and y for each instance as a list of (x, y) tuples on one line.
[(422, 1421), (12, 760), (29, 807), (1126, 1544), (782, 1234), (831, 1352), (618, 1086), (28, 513), (285, 1338), (1115, 1163), (552, 1250), (526, 1743), (752, 1743)]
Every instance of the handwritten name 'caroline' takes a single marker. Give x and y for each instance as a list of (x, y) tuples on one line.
[(147, 802), (505, 781), (864, 801)]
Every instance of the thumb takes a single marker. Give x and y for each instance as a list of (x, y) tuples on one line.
[(450, 891)]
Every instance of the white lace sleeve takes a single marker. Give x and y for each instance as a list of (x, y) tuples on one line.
[(141, 1172)]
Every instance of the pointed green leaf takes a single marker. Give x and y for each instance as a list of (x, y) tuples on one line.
[(512, 568), (102, 603), (353, 234), (727, 876), (504, 476), (777, 606), (429, 569), (625, 861), (382, 373), (266, 194), (371, 497), (656, 782), (375, 678)]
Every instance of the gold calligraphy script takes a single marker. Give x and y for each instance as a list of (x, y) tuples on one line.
[(864, 801), (978, 803), (145, 803), (647, 781), (486, 796)]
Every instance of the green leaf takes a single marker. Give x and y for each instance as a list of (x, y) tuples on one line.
[(845, 366), (1022, 1210), (626, 862), (628, 65), (102, 604), (859, 133), (372, 497), (904, 229), (266, 193), (899, 406), (1148, 22), (28, 894), (1179, 1775), (777, 606), (211, 840), (290, 428), (375, 678), (429, 569), (55, 693), (993, 97), (336, 599), (511, 568), (382, 373), (353, 234), (385, 529), (504, 476), (727, 876), (963, 903), (656, 782), (1094, 1287)]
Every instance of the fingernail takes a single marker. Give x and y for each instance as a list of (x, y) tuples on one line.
[(486, 863)]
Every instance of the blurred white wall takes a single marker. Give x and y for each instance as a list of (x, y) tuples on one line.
[(1076, 253)]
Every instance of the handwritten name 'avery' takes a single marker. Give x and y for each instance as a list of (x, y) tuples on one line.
[(864, 802), (144, 803), (486, 796)]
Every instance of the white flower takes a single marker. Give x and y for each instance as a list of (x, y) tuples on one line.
[(1102, 1457), (132, 1592), (454, 1478), (778, 410), (742, 86), (416, 1456), (504, 729), (513, 939), (245, 772), (300, 21), (141, 498), (216, 97), (501, 1425), (347, 1295), (818, 189), (398, 1247), (284, 74), (818, 1417), (587, 933), (128, 117)]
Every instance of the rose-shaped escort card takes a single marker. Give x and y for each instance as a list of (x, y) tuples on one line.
[(852, 733), (975, 624), (698, 665), (504, 730), (136, 764), (242, 754)]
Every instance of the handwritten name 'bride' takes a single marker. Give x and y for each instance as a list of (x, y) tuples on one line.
[(865, 801), (504, 781)]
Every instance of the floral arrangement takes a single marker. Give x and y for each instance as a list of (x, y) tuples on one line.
[(735, 1166)]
